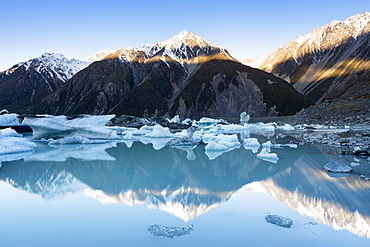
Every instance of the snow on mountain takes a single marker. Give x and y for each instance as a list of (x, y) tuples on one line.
[(327, 62), (254, 63), (62, 67), (181, 48), (99, 55)]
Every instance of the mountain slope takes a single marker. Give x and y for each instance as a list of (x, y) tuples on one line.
[(27, 83), (330, 62), (184, 75)]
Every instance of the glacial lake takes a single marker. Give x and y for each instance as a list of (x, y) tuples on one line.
[(110, 194)]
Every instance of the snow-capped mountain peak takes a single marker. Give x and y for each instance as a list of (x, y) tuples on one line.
[(185, 38), (63, 67), (180, 48)]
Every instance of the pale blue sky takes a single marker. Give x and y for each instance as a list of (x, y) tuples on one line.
[(79, 28)]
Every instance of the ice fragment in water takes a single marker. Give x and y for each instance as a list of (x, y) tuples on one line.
[(279, 220), (337, 167), (169, 231)]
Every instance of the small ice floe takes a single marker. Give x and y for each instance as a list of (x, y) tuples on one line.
[(251, 144), (244, 118), (185, 140), (363, 178), (8, 132), (205, 121), (170, 231), (266, 156), (127, 135), (285, 127), (222, 144), (9, 119), (267, 145), (337, 167), (159, 132), (279, 220), (11, 145)]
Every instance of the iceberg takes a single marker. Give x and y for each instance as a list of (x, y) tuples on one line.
[(223, 142), (337, 167), (159, 132), (9, 132), (169, 231), (279, 220), (266, 156), (244, 118), (251, 144), (10, 145), (9, 119), (87, 126)]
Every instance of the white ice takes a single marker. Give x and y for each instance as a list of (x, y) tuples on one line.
[(337, 167), (87, 126), (9, 120), (9, 132), (10, 145), (159, 132), (265, 155), (223, 143), (251, 144)]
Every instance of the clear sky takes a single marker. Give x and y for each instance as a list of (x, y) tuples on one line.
[(79, 28)]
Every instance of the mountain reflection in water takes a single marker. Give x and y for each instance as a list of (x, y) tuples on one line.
[(187, 188)]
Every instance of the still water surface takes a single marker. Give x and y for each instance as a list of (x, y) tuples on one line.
[(109, 194)]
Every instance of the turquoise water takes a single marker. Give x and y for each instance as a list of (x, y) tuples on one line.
[(109, 194)]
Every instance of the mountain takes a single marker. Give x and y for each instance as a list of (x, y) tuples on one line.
[(35, 79), (184, 75), (330, 62)]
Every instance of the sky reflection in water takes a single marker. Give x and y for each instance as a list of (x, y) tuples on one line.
[(108, 194)]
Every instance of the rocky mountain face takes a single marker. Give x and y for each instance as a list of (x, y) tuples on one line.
[(27, 83), (330, 62), (184, 75)]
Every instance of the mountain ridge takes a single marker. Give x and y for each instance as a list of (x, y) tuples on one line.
[(331, 61)]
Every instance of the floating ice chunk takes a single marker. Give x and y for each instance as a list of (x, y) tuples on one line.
[(8, 132), (285, 127), (207, 137), (205, 121), (127, 135), (289, 145), (169, 231), (251, 144), (231, 128), (265, 155), (244, 118), (261, 127), (10, 145), (186, 138), (279, 220), (87, 126), (175, 119), (337, 167), (223, 142), (10, 119), (159, 132), (267, 144)]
